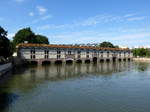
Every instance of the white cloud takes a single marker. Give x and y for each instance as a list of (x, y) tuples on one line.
[(136, 18), (91, 21), (134, 36), (41, 10), (31, 14), (42, 18), (130, 15)]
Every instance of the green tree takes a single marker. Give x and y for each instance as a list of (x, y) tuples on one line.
[(141, 52), (5, 46), (107, 45), (26, 34), (42, 39)]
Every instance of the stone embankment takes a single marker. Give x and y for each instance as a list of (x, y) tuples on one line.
[(142, 59)]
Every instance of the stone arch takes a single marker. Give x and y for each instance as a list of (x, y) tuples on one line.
[(79, 61), (58, 62), (102, 60), (95, 59), (119, 59), (114, 59), (124, 59), (107, 60), (87, 61), (33, 62), (46, 62), (69, 61)]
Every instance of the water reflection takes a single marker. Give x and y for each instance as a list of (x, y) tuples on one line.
[(61, 72), (142, 66), (51, 84)]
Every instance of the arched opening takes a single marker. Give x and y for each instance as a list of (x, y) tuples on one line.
[(119, 59), (102, 60), (95, 59), (87, 61), (58, 62), (129, 59), (69, 61), (107, 60), (124, 59), (114, 59), (79, 61), (33, 62), (46, 63)]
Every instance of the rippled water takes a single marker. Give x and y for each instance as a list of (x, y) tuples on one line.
[(102, 87)]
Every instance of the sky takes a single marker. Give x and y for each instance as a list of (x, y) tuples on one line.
[(122, 22)]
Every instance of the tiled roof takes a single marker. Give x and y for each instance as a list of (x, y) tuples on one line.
[(69, 46)]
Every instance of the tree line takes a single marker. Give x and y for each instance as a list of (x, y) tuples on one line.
[(141, 52)]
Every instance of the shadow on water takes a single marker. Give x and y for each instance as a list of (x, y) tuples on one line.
[(6, 99)]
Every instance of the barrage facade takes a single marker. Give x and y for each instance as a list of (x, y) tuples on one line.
[(43, 53)]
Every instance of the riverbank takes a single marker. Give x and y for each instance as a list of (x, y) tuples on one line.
[(13, 64), (142, 59), (5, 68)]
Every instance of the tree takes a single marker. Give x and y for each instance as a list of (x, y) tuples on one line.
[(141, 52), (26, 34), (107, 45), (5, 46), (42, 39)]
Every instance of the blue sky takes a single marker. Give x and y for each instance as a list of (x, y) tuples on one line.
[(122, 22)]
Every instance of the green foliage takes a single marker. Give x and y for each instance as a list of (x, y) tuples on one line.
[(42, 39), (5, 45), (26, 34), (107, 45), (141, 52)]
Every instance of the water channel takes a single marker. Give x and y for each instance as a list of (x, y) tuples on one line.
[(101, 87)]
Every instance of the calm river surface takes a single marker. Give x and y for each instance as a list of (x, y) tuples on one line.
[(102, 87)]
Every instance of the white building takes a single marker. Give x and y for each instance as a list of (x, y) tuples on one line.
[(64, 53)]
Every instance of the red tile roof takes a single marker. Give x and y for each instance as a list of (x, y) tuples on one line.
[(69, 46)]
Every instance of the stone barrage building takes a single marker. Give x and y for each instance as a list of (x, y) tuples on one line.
[(43, 53)]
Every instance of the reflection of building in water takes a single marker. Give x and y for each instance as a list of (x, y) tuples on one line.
[(60, 72), (42, 53)]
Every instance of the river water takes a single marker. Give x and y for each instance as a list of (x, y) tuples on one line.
[(102, 87)]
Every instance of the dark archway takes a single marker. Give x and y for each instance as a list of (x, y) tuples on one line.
[(107, 60), (87, 61), (46, 63), (129, 59), (102, 60), (119, 59), (79, 61), (33, 62), (95, 59), (58, 62), (69, 61), (124, 59), (114, 59)]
